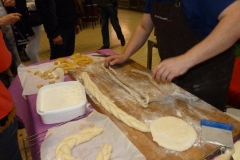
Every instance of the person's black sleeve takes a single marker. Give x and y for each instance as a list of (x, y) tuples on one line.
[(47, 9)]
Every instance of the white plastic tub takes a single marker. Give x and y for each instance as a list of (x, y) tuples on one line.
[(61, 102)]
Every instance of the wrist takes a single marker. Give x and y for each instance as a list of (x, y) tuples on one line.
[(188, 60)]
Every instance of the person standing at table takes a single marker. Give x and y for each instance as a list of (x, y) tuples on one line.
[(35, 20), (60, 21), (108, 10), (8, 36), (195, 41), (9, 149)]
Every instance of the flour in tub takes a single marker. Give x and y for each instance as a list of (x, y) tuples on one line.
[(62, 97)]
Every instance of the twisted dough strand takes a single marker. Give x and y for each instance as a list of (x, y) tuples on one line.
[(111, 107), (64, 148), (142, 102), (105, 153), (164, 88)]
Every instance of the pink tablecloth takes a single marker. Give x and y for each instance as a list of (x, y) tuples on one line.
[(26, 110)]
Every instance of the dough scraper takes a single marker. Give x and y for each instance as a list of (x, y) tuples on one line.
[(217, 133)]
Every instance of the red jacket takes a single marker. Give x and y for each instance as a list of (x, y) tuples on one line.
[(6, 102)]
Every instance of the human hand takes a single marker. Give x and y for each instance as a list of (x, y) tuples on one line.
[(58, 40), (170, 68), (114, 59), (9, 19), (77, 29), (9, 3)]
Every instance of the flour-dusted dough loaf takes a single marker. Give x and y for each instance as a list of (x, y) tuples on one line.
[(105, 153), (111, 107), (64, 148), (173, 133)]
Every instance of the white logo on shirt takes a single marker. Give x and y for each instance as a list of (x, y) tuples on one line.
[(163, 18)]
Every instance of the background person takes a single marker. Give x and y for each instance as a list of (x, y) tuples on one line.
[(109, 10), (195, 42), (8, 34), (9, 149), (21, 29), (35, 21), (60, 21)]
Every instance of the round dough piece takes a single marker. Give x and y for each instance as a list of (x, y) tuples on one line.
[(173, 133)]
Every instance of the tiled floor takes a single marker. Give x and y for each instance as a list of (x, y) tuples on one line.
[(90, 39)]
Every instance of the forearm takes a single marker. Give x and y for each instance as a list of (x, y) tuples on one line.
[(139, 36), (225, 34)]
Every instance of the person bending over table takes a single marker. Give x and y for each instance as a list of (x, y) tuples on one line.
[(9, 149), (195, 42)]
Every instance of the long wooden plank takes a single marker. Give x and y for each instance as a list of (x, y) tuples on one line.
[(179, 104)]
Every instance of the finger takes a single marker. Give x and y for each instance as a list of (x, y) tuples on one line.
[(164, 75), (17, 14), (155, 70), (157, 76), (55, 42), (110, 59), (17, 18), (113, 62), (170, 77), (106, 62)]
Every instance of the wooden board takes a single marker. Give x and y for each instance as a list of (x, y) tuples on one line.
[(180, 104)]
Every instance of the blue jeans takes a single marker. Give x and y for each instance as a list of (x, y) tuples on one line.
[(106, 13), (9, 149)]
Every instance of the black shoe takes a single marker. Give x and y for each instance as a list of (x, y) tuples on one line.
[(122, 41), (103, 47)]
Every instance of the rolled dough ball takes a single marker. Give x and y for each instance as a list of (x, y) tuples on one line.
[(173, 133)]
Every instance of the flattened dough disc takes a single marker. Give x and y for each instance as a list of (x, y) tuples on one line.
[(173, 133)]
